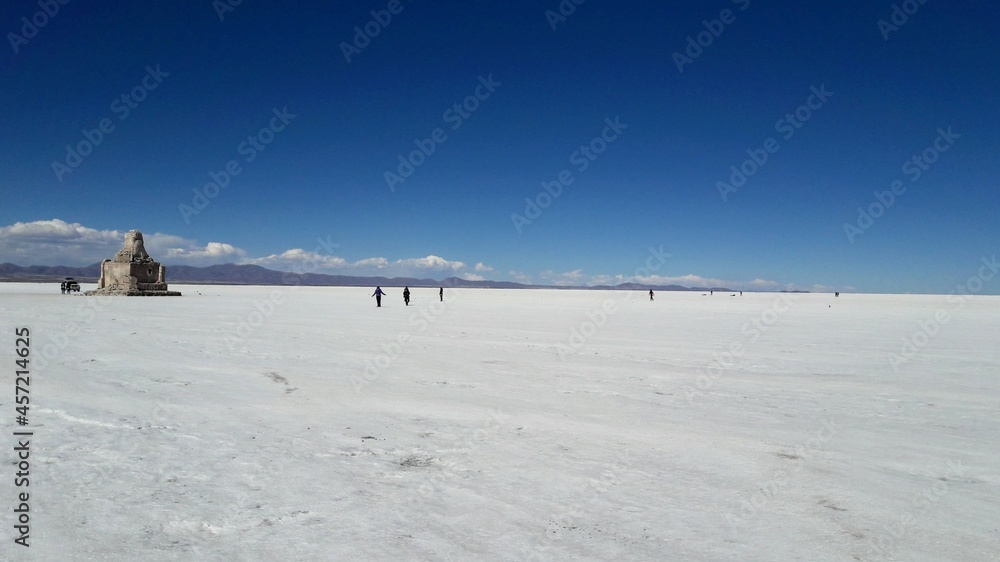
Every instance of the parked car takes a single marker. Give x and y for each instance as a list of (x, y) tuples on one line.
[(69, 286)]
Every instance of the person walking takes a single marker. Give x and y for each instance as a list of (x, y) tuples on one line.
[(378, 296), (441, 293), (650, 294), (406, 296)]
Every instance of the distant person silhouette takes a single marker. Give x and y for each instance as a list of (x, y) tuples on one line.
[(441, 294), (378, 296), (406, 296), (650, 294), (711, 292)]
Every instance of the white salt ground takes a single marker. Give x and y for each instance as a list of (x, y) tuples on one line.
[(264, 423)]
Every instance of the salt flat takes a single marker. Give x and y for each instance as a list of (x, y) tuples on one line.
[(262, 423)]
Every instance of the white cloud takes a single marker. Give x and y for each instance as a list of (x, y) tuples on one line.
[(377, 263), (565, 279), (607, 280), (689, 280), (56, 230), (299, 260), (433, 263), (211, 253), (577, 277), (519, 277), (57, 242), (818, 288)]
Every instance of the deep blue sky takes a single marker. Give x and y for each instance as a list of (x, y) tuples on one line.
[(322, 177)]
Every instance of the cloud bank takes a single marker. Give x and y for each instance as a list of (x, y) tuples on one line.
[(57, 242)]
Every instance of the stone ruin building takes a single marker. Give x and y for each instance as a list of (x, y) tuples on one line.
[(132, 272)]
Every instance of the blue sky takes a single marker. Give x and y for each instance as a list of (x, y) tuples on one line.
[(310, 117)]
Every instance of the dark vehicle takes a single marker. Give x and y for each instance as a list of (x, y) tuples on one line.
[(69, 286)]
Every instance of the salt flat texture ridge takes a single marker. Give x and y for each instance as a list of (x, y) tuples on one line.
[(263, 423)]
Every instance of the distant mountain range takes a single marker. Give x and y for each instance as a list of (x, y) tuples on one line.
[(233, 274)]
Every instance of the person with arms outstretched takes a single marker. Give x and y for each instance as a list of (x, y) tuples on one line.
[(378, 296)]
